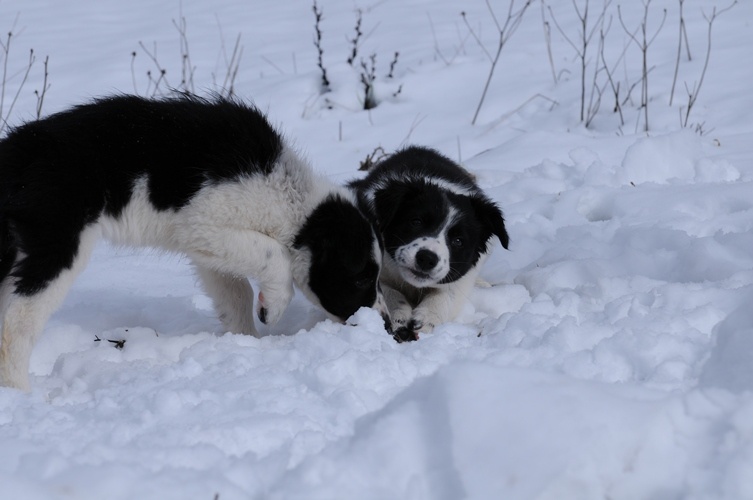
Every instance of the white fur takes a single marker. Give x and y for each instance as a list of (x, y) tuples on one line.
[(25, 317), (400, 177)]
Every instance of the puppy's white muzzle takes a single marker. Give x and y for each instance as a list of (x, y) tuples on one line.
[(423, 262)]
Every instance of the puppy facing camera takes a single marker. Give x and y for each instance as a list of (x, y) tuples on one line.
[(438, 228)]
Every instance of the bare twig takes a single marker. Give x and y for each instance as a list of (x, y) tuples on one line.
[(6, 52), (233, 65), (8, 97), (548, 40), (45, 88), (594, 100), (693, 94), (133, 72), (476, 37), (687, 45), (614, 86), (458, 50), (628, 95), (368, 75), (325, 87), (679, 51), (392, 65), (372, 158), (157, 80), (5, 115), (585, 35), (505, 30), (154, 83), (436, 42), (643, 44), (356, 38), (186, 68)]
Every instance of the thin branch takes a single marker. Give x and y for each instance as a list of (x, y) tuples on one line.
[(5, 118), (162, 78), (548, 40), (643, 44), (6, 51), (693, 95), (318, 44), (505, 32), (228, 85), (679, 52), (475, 37), (187, 69), (585, 34), (354, 42), (45, 88)]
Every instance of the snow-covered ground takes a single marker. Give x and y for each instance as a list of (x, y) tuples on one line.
[(612, 357)]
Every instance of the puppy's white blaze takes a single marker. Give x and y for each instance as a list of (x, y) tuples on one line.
[(397, 177), (405, 256)]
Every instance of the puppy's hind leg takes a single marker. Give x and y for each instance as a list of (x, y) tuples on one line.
[(233, 299), (27, 311)]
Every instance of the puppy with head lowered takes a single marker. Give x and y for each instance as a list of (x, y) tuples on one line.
[(438, 228), (209, 178)]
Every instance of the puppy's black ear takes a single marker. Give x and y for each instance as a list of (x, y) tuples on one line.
[(387, 201), (336, 227), (489, 214)]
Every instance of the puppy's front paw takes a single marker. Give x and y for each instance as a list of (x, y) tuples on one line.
[(404, 334), (421, 322), (271, 306), (400, 318), (407, 333)]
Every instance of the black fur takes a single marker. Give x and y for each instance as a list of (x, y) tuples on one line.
[(59, 174), (342, 272)]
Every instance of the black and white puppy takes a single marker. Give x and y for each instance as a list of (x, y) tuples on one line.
[(209, 178), (437, 227)]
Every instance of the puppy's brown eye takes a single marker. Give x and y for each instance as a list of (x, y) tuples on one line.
[(416, 222), (457, 242)]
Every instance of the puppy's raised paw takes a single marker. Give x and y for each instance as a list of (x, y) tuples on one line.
[(269, 311)]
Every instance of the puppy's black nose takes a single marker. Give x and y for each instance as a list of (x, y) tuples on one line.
[(426, 260)]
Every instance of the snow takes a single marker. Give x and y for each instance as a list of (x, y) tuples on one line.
[(609, 358)]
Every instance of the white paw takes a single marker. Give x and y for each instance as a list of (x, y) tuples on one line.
[(272, 303), (422, 322), (400, 318)]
